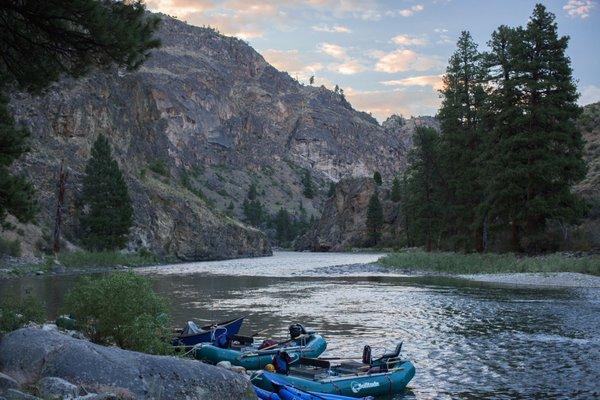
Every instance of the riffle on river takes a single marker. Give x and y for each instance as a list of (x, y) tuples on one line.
[(467, 340)]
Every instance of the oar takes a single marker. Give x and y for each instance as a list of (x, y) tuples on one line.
[(259, 332), (281, 343)]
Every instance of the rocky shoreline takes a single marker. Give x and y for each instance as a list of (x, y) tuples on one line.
[(540, 279), (38, 363)]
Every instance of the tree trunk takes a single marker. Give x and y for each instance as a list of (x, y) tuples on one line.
[(60, 198)]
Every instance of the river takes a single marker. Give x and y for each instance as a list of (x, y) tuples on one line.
[(467, 340)]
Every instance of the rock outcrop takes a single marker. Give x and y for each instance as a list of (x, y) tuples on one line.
[(55, 363), (201, 120), (343, 223)]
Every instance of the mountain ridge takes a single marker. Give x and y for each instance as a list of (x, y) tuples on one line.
[(204, 118)]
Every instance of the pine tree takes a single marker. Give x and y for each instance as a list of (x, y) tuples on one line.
[(459, 115), (374, 219), (308, 190), (396, 194), (422, 205), (107, 212), (16, 194), (283, 226), (331, 191), (42, 40), (537, 142), (252, 207), (377, 178)]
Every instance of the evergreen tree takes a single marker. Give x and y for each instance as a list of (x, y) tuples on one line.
[(107, 211), (537, 143), (42, 40), (308, 191), (377, 178), (459, 115), (396, 194), (252, 207), (252, 192), (284, 228), (16, 194), (374, 219), (422, 204), (331, 191)]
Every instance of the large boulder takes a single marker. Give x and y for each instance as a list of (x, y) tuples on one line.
[(53, 388), (6, 382), (30, 354)]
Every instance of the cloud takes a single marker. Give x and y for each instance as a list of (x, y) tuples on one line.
[(589, 94), (331, 29), (435, 81), (407, 12), (346, 64), (579, 8), (291, 61), (405, 60), (348, 67), (409, 40), (383, 103), (244, 19), (333, 50)]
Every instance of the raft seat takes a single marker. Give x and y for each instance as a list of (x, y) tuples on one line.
[(351, 367)]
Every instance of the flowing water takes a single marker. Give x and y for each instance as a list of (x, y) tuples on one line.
[(467, 340)]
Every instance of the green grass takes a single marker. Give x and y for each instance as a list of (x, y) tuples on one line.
[(82, 259), (457, 263)]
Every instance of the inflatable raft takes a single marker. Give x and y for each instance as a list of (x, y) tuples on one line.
[(387, 375), (252, 357)]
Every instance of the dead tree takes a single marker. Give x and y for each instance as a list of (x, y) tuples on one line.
[(60, 198)]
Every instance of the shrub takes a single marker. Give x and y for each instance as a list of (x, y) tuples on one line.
[(121, 308), (10, 247), (14, 313), (159, 167)]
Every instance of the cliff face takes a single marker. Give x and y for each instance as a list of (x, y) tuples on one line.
[(343, 222), (202, 119)]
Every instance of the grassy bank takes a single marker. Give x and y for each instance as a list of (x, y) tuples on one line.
[(81, 259), (457, 263)]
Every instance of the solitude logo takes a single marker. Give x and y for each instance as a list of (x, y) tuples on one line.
[(357, 386)]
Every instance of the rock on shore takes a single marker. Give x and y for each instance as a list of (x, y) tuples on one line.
[(31, 355)]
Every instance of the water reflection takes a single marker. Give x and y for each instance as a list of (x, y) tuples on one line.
[(467, 340)]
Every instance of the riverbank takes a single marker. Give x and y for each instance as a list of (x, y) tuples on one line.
[(78, 262), (560, 269), (553, 279)]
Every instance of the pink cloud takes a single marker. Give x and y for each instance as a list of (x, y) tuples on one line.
[(579, 8)]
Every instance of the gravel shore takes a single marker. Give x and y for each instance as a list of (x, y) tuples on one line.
[(557, 279)]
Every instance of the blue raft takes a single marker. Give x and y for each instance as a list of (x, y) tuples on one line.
[(253, 358), (387, 375), (289, 393), (192, 334)]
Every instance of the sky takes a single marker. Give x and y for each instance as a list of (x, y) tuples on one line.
[(387, 56)]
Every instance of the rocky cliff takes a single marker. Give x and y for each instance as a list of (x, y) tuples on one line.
[(202, 119), (343, 221)]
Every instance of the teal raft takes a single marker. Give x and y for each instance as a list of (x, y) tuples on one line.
[(253, 358), (387, 375)]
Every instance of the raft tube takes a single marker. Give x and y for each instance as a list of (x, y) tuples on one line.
[(253, 359), (373, 384)]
